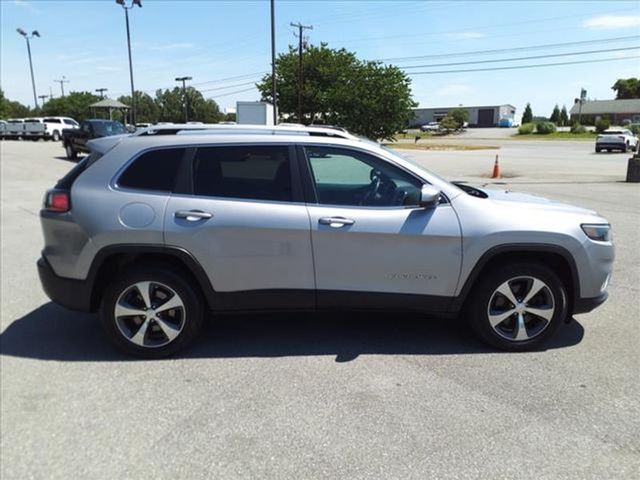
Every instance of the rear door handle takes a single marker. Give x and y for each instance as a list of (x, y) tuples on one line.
[(336, 222), (193, 215)]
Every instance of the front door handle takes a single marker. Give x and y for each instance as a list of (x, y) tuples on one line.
[(193, 215), (336, 222)]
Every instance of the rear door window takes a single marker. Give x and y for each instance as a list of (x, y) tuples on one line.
[(255, 172), (154, 170)]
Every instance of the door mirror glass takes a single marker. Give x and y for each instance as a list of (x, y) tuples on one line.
[(429, 196)]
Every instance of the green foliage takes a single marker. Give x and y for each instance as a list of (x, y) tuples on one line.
[(555, 115), (545, 128), (146, 108), (449, 123), (75, 105), (230, 117), (367, 98), (527, 128), (10, 109), (564, 116), (576, 128), (460, 116), (527, 115), (627, 88), (170, 108), (635, 128), (602, 124)]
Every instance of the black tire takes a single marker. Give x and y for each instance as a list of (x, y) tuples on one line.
[(625, 148), (55, 136), (597, 149), (71, 153), (478, 308), (190, 316)]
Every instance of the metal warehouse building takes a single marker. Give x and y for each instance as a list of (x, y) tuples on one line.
[(486, 116), (616, 110)]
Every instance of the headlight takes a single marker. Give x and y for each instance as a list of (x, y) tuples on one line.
[(598, 232)]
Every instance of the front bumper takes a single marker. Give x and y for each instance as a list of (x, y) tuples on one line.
[(70, 293)]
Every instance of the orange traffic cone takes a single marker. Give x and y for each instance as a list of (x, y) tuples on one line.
[(496, 169)]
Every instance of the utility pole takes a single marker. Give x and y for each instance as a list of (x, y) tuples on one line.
[(27, 37), (62, 82), (101, 91), (300, 28), (273, 62), (43, 98), (185, 99)]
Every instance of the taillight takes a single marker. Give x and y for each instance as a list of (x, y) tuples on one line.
[(45, 126), (57, 201)]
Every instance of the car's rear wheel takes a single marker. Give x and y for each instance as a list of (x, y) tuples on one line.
[(151, 313), (518, 307), (55, 136), (71, 153)]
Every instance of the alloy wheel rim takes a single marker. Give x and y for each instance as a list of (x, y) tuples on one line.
[(521, 308), (149, 314)]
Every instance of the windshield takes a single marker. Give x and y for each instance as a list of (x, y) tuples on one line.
[(412, 161), (108, 128)]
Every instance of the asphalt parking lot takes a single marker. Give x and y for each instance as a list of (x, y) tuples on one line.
[(313, 396)]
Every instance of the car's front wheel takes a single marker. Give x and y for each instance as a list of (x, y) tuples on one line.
[(151, 313), (518, 307)]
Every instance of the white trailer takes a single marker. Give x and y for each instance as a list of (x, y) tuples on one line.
[(254, 113)]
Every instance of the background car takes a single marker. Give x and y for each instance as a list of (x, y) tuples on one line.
[(430, 127), (616, 139)]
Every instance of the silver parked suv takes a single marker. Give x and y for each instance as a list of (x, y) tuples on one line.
[(155, 229)]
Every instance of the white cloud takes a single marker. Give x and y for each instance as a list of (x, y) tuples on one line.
[(610, 22), (26, 5), (465, 35), (172, 46), (453, 89)]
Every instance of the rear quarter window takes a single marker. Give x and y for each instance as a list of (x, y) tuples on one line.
[(155, 170)]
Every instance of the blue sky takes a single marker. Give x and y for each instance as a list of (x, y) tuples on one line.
[(225, 46)]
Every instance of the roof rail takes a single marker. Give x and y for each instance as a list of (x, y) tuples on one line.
[(212, 129)]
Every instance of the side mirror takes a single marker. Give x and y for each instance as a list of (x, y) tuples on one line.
[(429, 196)]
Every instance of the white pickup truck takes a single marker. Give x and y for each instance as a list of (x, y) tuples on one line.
[(49, 128), (617, 139)]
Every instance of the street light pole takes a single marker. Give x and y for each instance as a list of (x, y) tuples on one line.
[(126, 17), (27, 37), (185, 99), (273, 62)]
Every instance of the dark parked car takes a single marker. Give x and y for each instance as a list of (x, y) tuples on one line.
[(75, 140)]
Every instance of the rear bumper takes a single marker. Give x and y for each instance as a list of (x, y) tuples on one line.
[(616, 146), (70, 293), (585, 305)]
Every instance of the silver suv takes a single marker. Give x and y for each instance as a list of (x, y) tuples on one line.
[(155, 229)]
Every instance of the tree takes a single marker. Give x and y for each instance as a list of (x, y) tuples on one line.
[(460, 116), (146, 107), (527, 116), (368, 98), (449, 123), (170, 106), (555, 115), (564, 116), (75, 105), (12, 109), (627, 88)]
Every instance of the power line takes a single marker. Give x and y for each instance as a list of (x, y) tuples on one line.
[(517, 67), (513, 49), (233, 93), (228, 86), (237, 77), (515, 59)]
